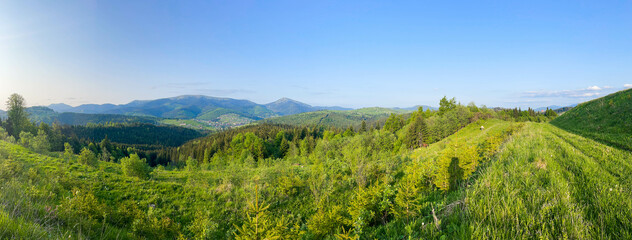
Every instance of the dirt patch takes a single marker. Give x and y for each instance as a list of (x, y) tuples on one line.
[(540, 164)]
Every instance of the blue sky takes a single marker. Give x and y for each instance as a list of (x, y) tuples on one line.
[(346, 53)]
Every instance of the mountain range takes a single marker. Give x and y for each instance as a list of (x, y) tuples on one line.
[(554, 107), (185, 110), (187, 107), (197, 107)]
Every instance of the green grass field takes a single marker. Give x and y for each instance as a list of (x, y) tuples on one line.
[(550, 184), (188, 123)]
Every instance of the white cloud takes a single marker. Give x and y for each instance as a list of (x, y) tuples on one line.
[(627, 85), (587, 94), (592, 91)]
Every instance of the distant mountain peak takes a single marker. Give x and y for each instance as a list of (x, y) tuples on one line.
[(59, 105), (285, 100), (286, 106)]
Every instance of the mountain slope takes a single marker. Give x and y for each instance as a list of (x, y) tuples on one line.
[(190, 107), (40, 114), (286, 106), (187, 107), (607, 119)]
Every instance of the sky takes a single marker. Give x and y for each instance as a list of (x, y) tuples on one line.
[(343, 53)]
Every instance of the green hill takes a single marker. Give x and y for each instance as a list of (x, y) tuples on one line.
[(607, 119), (335, 118)]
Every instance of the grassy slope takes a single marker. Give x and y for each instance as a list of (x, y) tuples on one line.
[(548, 183), (607, 119), (188, 123)]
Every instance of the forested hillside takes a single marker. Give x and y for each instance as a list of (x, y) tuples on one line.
[(607, 119), (48, 116), (336, 118), (132, 134)]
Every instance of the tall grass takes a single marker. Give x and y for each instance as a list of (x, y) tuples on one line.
[(552, 184)]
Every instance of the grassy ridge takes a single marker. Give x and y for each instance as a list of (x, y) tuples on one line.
[(548, 183), (607, 119)]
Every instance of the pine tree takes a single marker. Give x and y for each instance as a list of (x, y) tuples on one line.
[(363, 126), (258, 225), (417, 132)]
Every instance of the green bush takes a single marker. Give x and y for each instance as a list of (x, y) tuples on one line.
[(87, 157), (134, 166)]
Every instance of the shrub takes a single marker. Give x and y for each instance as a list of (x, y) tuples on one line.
[(87, 157), (3, 134), (26, 138), (134, 166), (40, 142), (83, 210)]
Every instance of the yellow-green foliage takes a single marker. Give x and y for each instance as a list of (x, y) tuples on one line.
[(260, 225), (84, 209), (462, 153), (407, 203), (154, 225), (456, 162), (134, 166), (369, 205), (87, 157), (327, 220)]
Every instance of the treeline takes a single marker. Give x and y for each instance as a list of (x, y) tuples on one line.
[(528, 115), (256, 142)]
